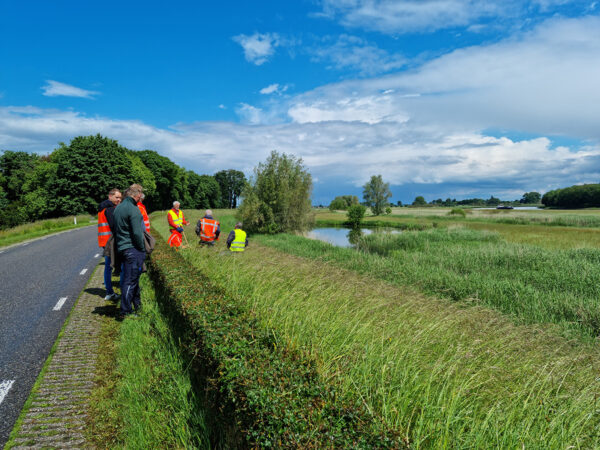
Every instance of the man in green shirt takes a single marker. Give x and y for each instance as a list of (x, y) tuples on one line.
[(129, 241)]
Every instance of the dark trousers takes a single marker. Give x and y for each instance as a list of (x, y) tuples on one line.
[(132, 269)]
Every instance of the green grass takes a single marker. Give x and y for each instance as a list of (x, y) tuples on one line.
[(145, 397), (446, 375), (42, 228)]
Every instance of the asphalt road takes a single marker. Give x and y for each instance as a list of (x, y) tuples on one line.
[(35, 279)]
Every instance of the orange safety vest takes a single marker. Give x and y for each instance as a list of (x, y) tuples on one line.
[(104, 232), (176, 218), (142, 209), (174, 240), (208, 228)]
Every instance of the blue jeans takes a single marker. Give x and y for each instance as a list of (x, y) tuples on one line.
[(108, 276), (132, 269)]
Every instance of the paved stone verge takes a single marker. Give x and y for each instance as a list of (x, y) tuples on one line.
[(58, 404)]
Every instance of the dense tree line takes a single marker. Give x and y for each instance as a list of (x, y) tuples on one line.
[(583, 196), (74, 178)]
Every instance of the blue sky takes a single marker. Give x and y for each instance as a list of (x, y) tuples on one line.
[(444, 98)]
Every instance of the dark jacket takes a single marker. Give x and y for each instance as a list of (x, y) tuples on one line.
[(128, 226), (110, 210), (231, 237)]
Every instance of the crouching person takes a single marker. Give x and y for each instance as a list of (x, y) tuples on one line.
[(208, 229), (129, 238), (237, 240)]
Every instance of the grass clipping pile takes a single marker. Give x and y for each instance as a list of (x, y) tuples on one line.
[(261, 394)]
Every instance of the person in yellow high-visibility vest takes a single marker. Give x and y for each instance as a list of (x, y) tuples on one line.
[(237, 241), (176, 223)]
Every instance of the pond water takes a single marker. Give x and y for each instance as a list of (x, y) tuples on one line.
[(344, 237)]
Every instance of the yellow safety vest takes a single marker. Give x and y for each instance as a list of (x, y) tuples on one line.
[(239, 242), (177, 218)]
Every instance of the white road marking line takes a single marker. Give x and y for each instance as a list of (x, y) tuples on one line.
[(83, 272), (96, 255), (59, 304), (5, 386), (26, 243)]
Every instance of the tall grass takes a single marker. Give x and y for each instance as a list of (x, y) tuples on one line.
[(146, 398), (532, 284), (445, 376), (42, 227)]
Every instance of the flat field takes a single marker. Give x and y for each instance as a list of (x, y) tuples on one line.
[(476, 332)]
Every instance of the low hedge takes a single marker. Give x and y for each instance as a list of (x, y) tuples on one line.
[(261, 393)]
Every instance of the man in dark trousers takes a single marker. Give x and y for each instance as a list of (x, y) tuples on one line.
[(129, 239), (105, 226)]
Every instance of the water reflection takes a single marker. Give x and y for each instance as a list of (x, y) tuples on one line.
[(344, 237)]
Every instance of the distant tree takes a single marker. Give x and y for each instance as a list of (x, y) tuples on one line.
[(355, 215), (531, 198), (580, 196), (204, 191), (388, 210), (419, 201), (231, 183), (376, 194), (492, 201), (15, 167), (86, 170), (170, 179), (277, 198), (343, 202), (399, 203)]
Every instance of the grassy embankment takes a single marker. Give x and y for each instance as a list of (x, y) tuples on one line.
[(144, 397), (443, 373), (41, 228)]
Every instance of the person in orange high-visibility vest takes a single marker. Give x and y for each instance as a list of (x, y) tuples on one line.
[(142, 209), (105, 219), (176, 223), (208, 229)]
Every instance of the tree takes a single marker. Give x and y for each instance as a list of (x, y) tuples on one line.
[(232, 183), (355, 215), (170, 179), (531, 198), (277, 198), (86, 170), (343, 202), (204, 191), (376, 194), (419, 201)]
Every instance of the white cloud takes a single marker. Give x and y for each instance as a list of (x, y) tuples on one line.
[(274, 89), (347, 151), (404, 16), (258, 48), (542, 82), (351, 52), (57, 89)]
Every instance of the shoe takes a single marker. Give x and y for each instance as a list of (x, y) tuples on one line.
[(109, 296), (114, 296)]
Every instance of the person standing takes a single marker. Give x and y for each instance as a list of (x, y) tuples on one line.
[(237, 240), (105, 227), (208, 229), (129, 239), (142, 209), (176, 223)]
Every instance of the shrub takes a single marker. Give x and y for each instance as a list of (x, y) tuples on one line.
[(355, 215), (278, 197), (457, 212)]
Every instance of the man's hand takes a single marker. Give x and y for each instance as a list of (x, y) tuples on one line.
[(180, 229)]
